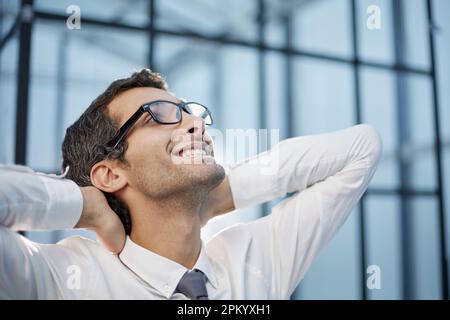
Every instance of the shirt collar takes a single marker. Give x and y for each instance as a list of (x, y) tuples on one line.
[(161, 273)]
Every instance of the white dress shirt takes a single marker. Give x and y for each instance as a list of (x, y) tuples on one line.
[(263, 259)]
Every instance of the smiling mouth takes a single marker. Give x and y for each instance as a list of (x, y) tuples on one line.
[(194, 150), (192, 153)]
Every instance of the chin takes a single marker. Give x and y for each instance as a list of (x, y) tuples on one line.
[(209, 175)]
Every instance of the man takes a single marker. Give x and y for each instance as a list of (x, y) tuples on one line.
[(149, 155)]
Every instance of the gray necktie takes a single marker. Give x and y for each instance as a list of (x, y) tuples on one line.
[(193, 285)]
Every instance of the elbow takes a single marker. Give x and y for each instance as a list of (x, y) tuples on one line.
[(373, 145)]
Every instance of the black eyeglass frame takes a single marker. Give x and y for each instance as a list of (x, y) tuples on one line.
[(125, 128)]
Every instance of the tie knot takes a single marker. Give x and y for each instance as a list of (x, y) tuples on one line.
[(193, 285)]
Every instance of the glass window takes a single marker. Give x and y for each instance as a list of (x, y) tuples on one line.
[(383, 246), (323, 26), (335, 273), (421, 147), (231, 19), (323, 96), (441, 10), (378, 99), (425, 247), (8, 82), (119, 11), (375, 44), (275, 23), (9, 10), (192, 70), (275, 94), (416, 32)]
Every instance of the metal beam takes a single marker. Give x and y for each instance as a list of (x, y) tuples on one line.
[(401, 192), (262, 64), (438, 153), (289, 93), (261, 21), (225, 39), (151, 34), (404, 163), (23, 80), (10, 33), (61, 89), (289, 75), (358, 119)]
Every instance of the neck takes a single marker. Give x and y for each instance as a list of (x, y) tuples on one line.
[(169, 228)]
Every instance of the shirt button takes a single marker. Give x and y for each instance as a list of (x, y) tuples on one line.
[(167, 288)]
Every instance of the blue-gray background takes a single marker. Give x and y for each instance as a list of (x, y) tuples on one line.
[(69, 68)]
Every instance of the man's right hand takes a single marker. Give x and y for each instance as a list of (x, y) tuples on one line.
[(100, 218)]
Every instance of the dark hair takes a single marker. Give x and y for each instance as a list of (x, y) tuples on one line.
[(86, 140)]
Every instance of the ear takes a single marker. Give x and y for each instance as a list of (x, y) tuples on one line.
[(108, 176)]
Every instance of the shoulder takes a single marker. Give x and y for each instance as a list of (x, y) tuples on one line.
[(83, 247), (77, 250)]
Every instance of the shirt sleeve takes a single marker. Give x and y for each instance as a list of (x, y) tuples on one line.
[(30, 201), (328, 174)]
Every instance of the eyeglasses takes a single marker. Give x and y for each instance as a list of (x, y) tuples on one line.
[(163, 112)]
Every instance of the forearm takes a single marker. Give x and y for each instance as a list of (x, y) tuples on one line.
[(29, 201), (330, 172)]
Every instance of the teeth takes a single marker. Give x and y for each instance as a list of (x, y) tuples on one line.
[(193, 153)]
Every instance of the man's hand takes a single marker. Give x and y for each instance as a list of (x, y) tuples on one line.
[(99, 217), (219, 201)]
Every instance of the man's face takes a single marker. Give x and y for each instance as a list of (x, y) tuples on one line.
[(159, 164)]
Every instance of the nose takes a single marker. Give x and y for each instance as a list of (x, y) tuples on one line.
[(194, 126)]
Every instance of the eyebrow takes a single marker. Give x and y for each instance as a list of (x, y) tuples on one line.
[(178, 101)]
